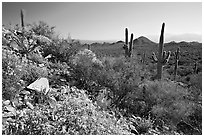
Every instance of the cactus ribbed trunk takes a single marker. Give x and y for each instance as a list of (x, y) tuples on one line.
[(176, 62), (22, 19), (160, 54), (126, 42), (126, 36), (128, 46), (89, 47), (195, 68), (162, 57), (175, 69)]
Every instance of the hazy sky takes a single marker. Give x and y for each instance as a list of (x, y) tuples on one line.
[(107, 21)]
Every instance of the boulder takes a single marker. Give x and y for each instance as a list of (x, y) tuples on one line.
[(6, 103), (40, 85)]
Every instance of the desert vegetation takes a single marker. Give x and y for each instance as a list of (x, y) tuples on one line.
[(55, 86)]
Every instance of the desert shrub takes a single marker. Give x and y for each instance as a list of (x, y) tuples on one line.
[(86, 58), (23, 41), (166, 101), (15, 70), (196, 80), (42, 28), (31, 72), (60, 50), (10, 74), (58, 73), (171, 102), (120, 76), (75, 115), (86, 69)]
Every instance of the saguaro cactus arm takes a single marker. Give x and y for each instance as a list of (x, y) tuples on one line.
[(195, 68), (131, 42), (154, 57), (177, 53), (166, 57)]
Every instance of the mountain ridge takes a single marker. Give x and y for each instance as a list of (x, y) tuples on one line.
[(142, 40)]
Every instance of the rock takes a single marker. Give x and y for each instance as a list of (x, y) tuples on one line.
[(41, 65), (25, 92), (65, 90), (6, 103), (10, 120), (158, 124), (40, 85), (182, 84), (52, 101), (137, 119), (29, 105), (133, 130), (8, 114), (153, 132), (10, 109), (64, 129)]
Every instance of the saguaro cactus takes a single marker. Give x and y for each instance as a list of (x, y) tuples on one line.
[(22, 18), (176, 62), (162, 57), (144, 58), (89, 47), (195, 68), (128, 46)]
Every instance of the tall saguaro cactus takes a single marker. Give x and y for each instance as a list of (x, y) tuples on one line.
[(22, 18), (128, 45), (162, 57), (176, 62)]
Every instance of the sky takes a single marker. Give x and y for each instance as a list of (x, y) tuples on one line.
[(107, 21)]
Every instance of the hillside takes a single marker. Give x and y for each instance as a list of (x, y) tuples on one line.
[(54, 87), (143, 41)]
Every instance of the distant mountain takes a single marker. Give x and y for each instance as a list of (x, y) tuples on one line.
[(143, 41), (183, 43), (95, 41), (120, 41)]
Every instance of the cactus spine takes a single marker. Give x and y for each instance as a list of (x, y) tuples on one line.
[(162, 57), (128, 46), (176, 62)]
